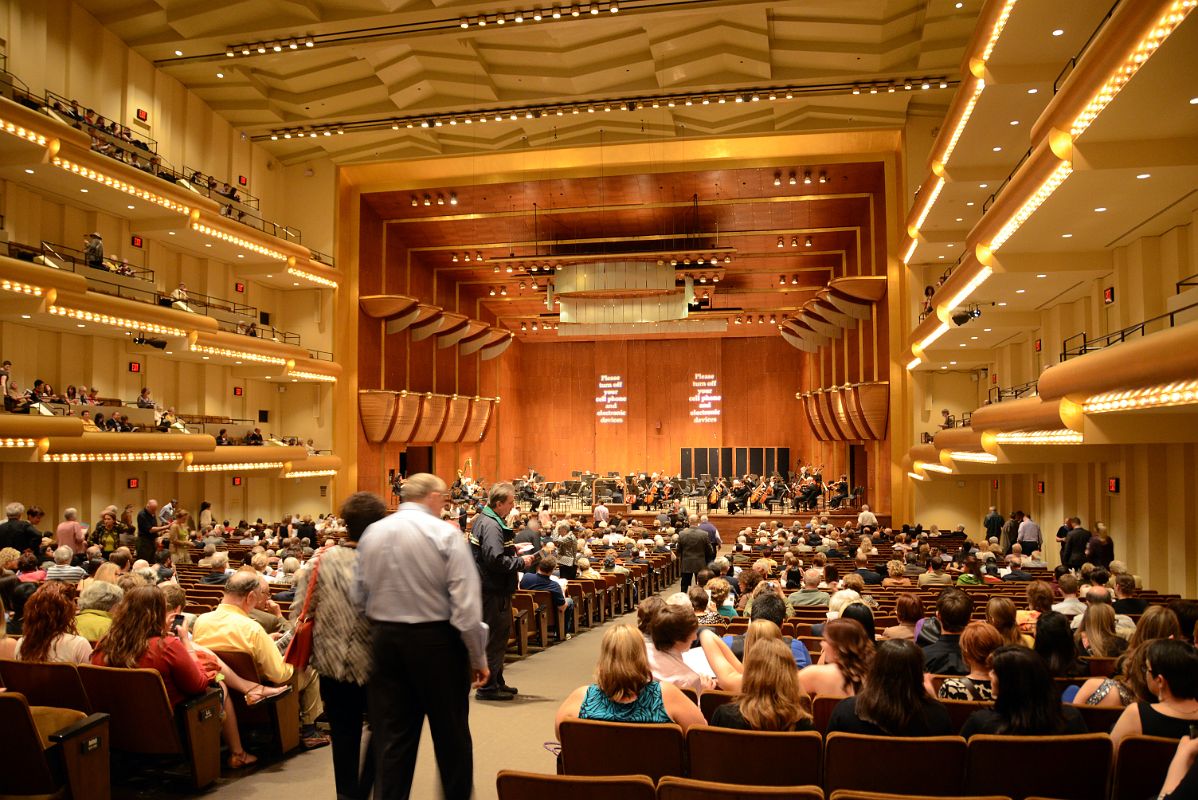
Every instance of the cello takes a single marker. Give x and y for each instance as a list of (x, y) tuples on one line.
[(717, 491), (758, 494)]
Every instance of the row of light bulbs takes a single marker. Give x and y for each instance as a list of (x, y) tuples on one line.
[(513, 113), (277, 46), (748, 320), (536, 14), (311, 133), (549, 326), (892, 87), (794, 241), (794, 280), (793, 178), (234, 467), (428, 200)]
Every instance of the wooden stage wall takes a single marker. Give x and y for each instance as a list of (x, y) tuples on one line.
[(547, 417)]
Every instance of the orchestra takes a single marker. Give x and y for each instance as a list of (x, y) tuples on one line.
[(802, 491)]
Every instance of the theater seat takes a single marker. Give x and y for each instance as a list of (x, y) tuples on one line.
[(688, 789), (46, 684), (1140, 766), (1027, 766), (621, 748), (928, 765), (850, 794), (777, 759), (713, 699), (53, 752), (529, 786)]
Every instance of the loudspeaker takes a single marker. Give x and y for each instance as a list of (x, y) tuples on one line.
[(263, 415), (686, 463)]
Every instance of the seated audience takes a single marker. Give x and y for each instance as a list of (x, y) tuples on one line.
[(1172, 678), (625, 689), (19, 534), (542, 580), (893, 701), (1126, 601), (49, 633), (672, 630), (1055, 645), (896, 575), (29, 568), (18, 593), (978, 641), (1001, 613), (96, 603), (909, 610), (1096, 638), (1181, 781), (943, 656), (810, 594), (937, 576), (720, 591), (770, 697), (1025, 701), (62, 569), (705, 612), (844, 660), (218, 567), (1071, 605), (1039, 601), (1128, 684)]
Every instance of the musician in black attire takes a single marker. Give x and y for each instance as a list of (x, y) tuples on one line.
[(840, 492), (738, 498)]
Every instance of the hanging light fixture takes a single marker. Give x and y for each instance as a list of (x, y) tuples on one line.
[(492, 291), (455, 258), (807, 243), (781, 243)]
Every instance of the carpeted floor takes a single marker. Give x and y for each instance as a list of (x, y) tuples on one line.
[(506, 735)]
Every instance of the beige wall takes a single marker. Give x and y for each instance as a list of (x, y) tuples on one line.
[(54, 45), (1151, 518)]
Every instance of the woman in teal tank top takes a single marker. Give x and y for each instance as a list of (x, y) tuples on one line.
[(624, 689)]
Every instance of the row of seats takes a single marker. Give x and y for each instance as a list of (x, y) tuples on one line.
[(1084, 767)]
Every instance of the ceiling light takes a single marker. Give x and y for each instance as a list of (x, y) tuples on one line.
[(793, 179), (455, 258), (26, 316), (1058, 32), (466, 258), (84, 191), (823, 176), (987, 330), (952, 363), (1100, 209), (781, 243), (28, 172), (1002, 305), (970, 204), (178, 52), (959, 5), (1014, 122), (1066, 235), (523, 326), (130, 207), (1020, 291), (503, 291), (794, 241), (1032, 91), (960, 219), (492, 291), (782, 280), (1194, 101), (261, 48), (973, 338), (807, 243), (220, 74), (1041, 275), (453, 198), (794, 280), (983, 186), (1143, 176), (996, 149), (777, 178)]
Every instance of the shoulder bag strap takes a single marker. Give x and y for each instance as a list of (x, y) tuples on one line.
[(311, 589)]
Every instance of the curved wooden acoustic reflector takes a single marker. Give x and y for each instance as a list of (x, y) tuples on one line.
[(825, 309), (495, 349), (797, 343), (427, 322), (850, 306), (482, 409), (819, 323), (866, 288), (434, 409), (456, 418), (453, 327), (837, 399), (869, 408), (472, 344), (387, 306)]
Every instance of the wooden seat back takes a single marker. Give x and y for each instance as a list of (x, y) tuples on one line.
[(1140, 766), (46, 684), (778, 759), (513, 785), (643, 749), (1016, 766), (931, 765), (689, 789)]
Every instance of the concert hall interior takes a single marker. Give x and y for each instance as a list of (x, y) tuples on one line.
[(769, 260)]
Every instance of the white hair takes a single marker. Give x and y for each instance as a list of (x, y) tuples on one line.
[(70, 513)]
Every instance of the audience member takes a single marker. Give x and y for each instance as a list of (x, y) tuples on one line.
[(1096, 638), (1172, 678), (943, 656), (672, 630), (978, 641), (625, 689), (17, 533), (893, 700), (909, 611), (1001, 613), (96, 603), (62, 569), (1129, 684), (1055, 646), (49, 632), (1025, 701), (844, 660), (770, 697)]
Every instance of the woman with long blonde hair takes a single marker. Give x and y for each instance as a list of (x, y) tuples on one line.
[(728, 669), (1097, 637), (624, 689), (770, 696), (1001, 612)]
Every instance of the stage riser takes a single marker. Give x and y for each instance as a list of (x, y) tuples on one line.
[(730, 525)]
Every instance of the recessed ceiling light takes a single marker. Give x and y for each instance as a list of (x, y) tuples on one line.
[(1001, 305), (973, 338), (169, 352), (1143, 176), (1041, 275), (1058, 32), (207, 244), (961, 345), (1020, 291), (1194, 101), (1100, 209), (970, 204), (987, 330), (959, 5), (178, 52), (270, 276), (1066, 235), (28, 172), (950, 245), (130, 207), (295, 284), (1032, 91), (940, 257), (953, 363), (983, 186), (26, 316), (170, 233), (996, 149), (84, 191), (204, 358), (220, 74), (960, 219), (1014, 122), (80, 325), (241, 255)]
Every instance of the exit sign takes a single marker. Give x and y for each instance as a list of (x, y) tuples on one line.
[(136, 241), (143, 115), (1112, 485), (135, 366), (238, 391), (133, 483), (1108, 295), (1039, 487), (242, 181), (239, 287), (1036, 345), (236, 480)]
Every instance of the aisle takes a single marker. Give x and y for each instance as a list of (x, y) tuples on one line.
[(506, 735)]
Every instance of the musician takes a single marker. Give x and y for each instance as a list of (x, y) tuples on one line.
[(809, 492), (738, 498), (839, 491), (633, 493)]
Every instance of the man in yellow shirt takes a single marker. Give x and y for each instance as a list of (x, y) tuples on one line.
[(229, 627)]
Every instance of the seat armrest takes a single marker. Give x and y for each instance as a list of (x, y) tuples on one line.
[(78, 728), (201, 699)]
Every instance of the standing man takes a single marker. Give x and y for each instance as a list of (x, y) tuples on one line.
[(1010, 532), (713, 534), (420, 592), (1030, 537), (148, 530), (1073, 549), (166, 514), (600, 513), (694, 551), (494, 548), (93, 250), (993, 524)]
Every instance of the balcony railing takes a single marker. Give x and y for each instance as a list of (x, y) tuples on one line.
[(1072, 62), (209, 186), (997, 394), (1080, 344)]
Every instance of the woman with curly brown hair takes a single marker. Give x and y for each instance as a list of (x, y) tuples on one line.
[(845, 660), (49, 631)]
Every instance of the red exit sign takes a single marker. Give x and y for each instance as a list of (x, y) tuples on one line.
[(133, 483), (238, 391), (136, 241), (1108, 295), (239, 287), (135, 366), (1112, 485), (1039, 487), (143, 115), (236, 480)]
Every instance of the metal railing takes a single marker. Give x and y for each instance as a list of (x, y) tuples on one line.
[(997, 393), (320, 355), (72, 260), (323, 258), (207, 185), (1191, 280), (1072, 62), (1080, 344)]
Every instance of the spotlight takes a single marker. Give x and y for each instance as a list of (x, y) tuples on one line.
[(777, 178), (807, 243), (781, 243), (807, 177), (793, 180), (794, 280), (455, 258), (781, 280), (794, 241)]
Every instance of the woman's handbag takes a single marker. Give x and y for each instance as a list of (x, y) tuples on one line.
[(299, 649)]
